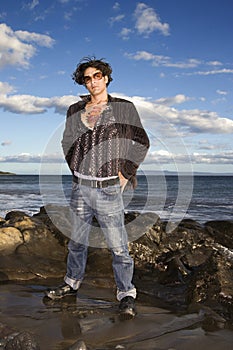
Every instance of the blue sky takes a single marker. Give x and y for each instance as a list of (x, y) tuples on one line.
[(173, 59)]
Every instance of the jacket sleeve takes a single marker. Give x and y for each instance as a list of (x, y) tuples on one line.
[(68, 137), (137, 142)]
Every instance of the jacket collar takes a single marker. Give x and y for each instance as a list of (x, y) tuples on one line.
[(87, 98)]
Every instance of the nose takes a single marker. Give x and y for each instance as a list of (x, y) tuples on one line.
[(93, 81)]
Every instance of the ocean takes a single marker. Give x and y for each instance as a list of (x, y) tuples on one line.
[(202, 198)]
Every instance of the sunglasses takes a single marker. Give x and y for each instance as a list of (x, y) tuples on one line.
[(96, 76)]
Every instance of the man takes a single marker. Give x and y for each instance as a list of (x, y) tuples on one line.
[(104, 143)]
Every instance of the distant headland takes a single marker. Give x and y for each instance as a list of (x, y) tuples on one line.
[(6, 173)]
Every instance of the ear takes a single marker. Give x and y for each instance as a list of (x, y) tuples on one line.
[(106, 79)]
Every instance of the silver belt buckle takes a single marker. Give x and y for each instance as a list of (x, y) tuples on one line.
[(94, 183)]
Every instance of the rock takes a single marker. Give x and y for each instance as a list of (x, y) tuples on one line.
[(29, 249), (10, 239), (2, 221), (22, 341), (221, 231), (38, 240), (79, 345), (15, 216)]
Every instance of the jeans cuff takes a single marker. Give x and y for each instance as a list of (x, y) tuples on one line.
[(72, 282), (130, 293)]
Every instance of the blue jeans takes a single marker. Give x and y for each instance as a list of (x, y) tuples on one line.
[(106, 205)]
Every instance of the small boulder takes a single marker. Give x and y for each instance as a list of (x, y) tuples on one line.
[(10, 239)]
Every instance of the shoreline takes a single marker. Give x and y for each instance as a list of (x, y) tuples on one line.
[(168, 220)]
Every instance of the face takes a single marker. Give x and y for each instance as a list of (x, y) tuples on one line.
[(95, 82)]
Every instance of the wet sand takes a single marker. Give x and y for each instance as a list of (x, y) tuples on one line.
[(92, 317)]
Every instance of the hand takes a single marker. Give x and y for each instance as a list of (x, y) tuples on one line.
[(123, 181)]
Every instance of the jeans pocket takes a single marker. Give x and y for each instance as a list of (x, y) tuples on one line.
[(111, 190)]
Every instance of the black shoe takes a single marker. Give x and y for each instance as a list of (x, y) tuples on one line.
[(60, 292), (127, 308)]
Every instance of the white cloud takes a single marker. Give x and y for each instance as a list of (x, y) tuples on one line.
[(166, 61), (222, 92), (161, 115), (17, 47), (61, 72), (148, 21), (40, 39), (125, 32), (202, 99), (197, 121), (193, 121), (29, 104), (116, 19), (171, 101), (189, 63), (165, 157), (161, 156), (160, 60), (209, 146), (5, 88), (142, 55), (116, 6), (33, 4), (68, 15), (23, 104), (33, 158), (214, 63), (213, 158), (212, 72)]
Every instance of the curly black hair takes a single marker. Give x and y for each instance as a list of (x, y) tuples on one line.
[(91, 61)]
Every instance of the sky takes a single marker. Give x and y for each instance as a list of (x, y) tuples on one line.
[(173, 59)]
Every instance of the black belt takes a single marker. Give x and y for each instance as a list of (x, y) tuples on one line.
[(96, 183)]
